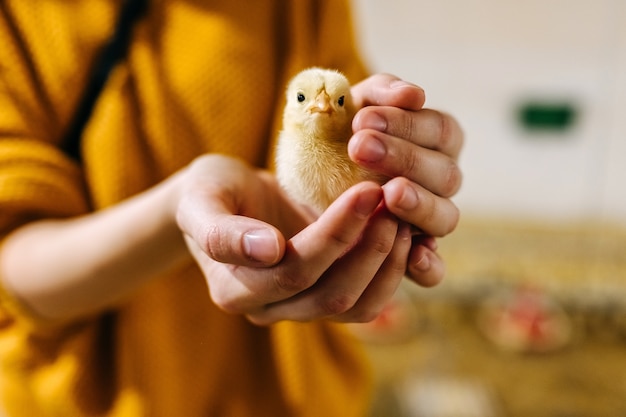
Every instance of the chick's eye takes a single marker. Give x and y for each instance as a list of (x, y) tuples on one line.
[(300, 97), (340, 101)]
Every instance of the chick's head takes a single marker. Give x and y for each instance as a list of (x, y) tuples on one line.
[(319, 101)]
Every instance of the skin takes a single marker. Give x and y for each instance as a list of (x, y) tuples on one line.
[(262, 256)]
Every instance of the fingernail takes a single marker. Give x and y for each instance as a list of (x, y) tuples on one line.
[(404, 231), (409, 199), (368, 201), (261, 245), (372, 150), (402, 84), (423, 264)]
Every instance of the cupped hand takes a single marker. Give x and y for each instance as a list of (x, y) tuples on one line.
[(269, 260), (418, 148)]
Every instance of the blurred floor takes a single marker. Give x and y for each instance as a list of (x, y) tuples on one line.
[(442, 360)]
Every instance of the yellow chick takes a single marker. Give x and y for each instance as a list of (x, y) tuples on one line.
[(312, 162)]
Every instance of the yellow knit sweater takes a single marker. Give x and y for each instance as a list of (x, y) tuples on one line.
[(200, 76)]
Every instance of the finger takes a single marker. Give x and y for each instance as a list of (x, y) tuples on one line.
[(243, 241), (425, 267), (307, 255), (388, 90), (336, 231), (209, 206), (394, 157), (385, 283), (341, 286), (434, 215), (208, 219), (427, 128)]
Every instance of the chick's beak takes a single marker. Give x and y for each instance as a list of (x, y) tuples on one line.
[(322, 103)]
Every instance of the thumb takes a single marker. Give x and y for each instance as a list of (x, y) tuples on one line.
[(230, 238), (215, 193), (241, 240), (388, 90)]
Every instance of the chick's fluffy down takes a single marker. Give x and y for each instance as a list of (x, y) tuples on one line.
[(312, 163)]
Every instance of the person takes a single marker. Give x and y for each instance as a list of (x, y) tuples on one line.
[(163, 272)]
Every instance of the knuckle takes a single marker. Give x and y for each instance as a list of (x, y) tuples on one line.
[(335, 304), (445, 130), (407, 127), (452, 180), (225, 302), (213, 243), (341, 240), (381, 79), (413, 161), (450, 135), (454, 217), (397, 267), (289, 282), (383, 245)]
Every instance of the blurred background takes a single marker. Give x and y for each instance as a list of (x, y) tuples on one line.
[(531, 320)]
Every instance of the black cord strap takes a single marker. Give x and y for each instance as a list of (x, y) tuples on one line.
[(112, 53)]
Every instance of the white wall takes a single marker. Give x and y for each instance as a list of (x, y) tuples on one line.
[(478, 59)]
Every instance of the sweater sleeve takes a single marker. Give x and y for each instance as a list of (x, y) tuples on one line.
[(37, 181), (46, 55), (43, 66)]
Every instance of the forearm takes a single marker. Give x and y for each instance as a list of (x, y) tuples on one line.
[(66, 268)]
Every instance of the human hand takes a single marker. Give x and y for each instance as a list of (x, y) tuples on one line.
[(418, 148), (265, 258)]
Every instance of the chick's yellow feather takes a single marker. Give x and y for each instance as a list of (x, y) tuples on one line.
[(312, 162)]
